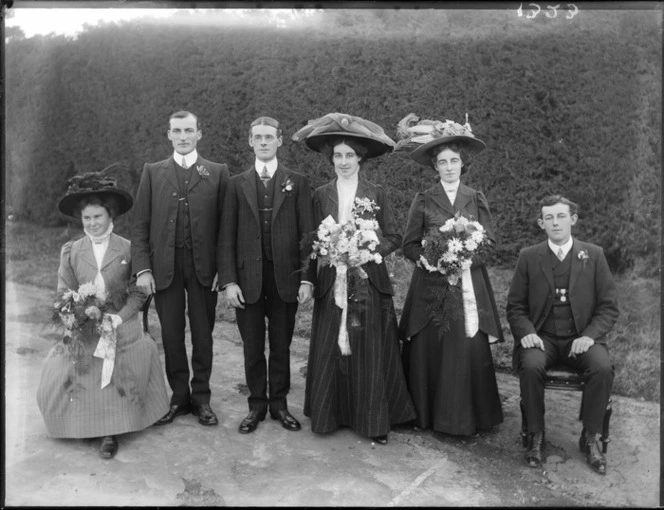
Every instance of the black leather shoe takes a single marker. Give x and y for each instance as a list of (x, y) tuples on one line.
[(108, 448), (589, 445), (250, 423), (534, 453), (380, 439), (287, 420), (205, 414), (173, 412)]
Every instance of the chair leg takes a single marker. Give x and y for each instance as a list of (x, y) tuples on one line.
[(524, 425), (605, 427)]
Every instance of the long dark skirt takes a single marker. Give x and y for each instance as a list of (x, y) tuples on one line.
[(366, 390), (452, 380)]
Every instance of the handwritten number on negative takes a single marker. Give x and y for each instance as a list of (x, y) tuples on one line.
[(572, 10)]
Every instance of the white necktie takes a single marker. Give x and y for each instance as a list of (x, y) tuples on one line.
[(561, 255), (184, 162), (265, 176)]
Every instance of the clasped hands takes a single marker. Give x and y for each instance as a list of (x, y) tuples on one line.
[(579, 345), (234, 295)]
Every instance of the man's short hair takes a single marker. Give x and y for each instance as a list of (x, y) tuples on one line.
[(558, 199), (266, 121), (182, 114)]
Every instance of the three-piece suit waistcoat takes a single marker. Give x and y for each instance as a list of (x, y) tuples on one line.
[(560, 321)]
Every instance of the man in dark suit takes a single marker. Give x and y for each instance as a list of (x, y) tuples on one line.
[(173, 243), (267, 210), (560, 306)]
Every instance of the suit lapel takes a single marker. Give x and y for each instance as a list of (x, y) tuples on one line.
[(545, 264), (195, 176), (279, 177), (577, 264), (441, 199), (112, 252), (87, 254), (170, 170), (250, 191), (463, 196), (331, 205)]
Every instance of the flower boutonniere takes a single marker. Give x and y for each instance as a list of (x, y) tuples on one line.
[(583, 257), (287, 186), (202, 171)]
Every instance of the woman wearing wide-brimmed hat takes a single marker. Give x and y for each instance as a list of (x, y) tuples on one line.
[(100, 382), (354, 375), (447, 359)]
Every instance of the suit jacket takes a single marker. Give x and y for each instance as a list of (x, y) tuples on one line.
[(592, 293), (78, 266), (326, 203), (430, 210), (155, 213), (240, 250)]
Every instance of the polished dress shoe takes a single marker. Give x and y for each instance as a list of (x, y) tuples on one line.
[(287, 420), (175, 410), (589, 445), (250, 423), (534, 453), (108, 448), (205, 414), (380, 439)]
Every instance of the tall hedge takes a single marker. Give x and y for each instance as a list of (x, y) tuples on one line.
[(565, 106)]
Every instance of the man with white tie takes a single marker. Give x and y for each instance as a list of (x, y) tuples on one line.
[(560, 306), (267, 210), (173, 243)]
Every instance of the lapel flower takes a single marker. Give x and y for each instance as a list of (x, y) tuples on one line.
[(583, 257), (287, 186), (202, 171)]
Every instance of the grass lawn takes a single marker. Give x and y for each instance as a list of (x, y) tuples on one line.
[(32, 257)]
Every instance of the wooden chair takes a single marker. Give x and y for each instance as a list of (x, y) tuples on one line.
[(561, 377)]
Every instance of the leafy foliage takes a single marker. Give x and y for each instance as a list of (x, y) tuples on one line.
[(565, 106)]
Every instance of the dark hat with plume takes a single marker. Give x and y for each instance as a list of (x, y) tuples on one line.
[(317, 133), (423, 136), (94, 183)]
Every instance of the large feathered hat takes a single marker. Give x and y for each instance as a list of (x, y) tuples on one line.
[(94, 183), (423, 136), (317, 133)]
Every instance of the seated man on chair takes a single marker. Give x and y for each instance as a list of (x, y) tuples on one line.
[(560, 306)]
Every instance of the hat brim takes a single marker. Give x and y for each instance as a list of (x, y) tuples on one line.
[(69, 203), (424, 152), (374, 147)]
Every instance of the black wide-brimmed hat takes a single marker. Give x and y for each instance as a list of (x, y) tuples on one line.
[(94, 183), (424, 136), (318, 132)]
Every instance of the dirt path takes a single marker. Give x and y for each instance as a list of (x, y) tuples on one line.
[(186, 464)]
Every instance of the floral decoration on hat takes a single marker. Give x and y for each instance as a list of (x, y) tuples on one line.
[(422, 136), (318, 131)]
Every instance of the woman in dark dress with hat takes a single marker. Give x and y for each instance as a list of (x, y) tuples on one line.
[(101, 388), (450, 370), (354, 374)]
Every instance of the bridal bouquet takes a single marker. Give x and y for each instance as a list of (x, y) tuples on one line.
[(449, 251), (82, 314), (348, 246), (352, 243)]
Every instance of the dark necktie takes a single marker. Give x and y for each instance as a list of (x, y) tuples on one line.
[(265, 176)]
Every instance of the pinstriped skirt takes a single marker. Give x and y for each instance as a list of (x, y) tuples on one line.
[(74, 405), (366, 390)]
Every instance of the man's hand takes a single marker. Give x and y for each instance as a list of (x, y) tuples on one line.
[(304, 293), (145, 282), (532, 340), (234, 295), (580, 345)]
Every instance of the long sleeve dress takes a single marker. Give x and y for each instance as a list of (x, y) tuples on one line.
[(365, 390), (451, 377), (69, 394)]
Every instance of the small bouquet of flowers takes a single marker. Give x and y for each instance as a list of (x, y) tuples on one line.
[(449, 251), (82, 315), (348, 246)]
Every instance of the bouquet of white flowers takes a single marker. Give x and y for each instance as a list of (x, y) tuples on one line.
[(449, 251), (347, 246)]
